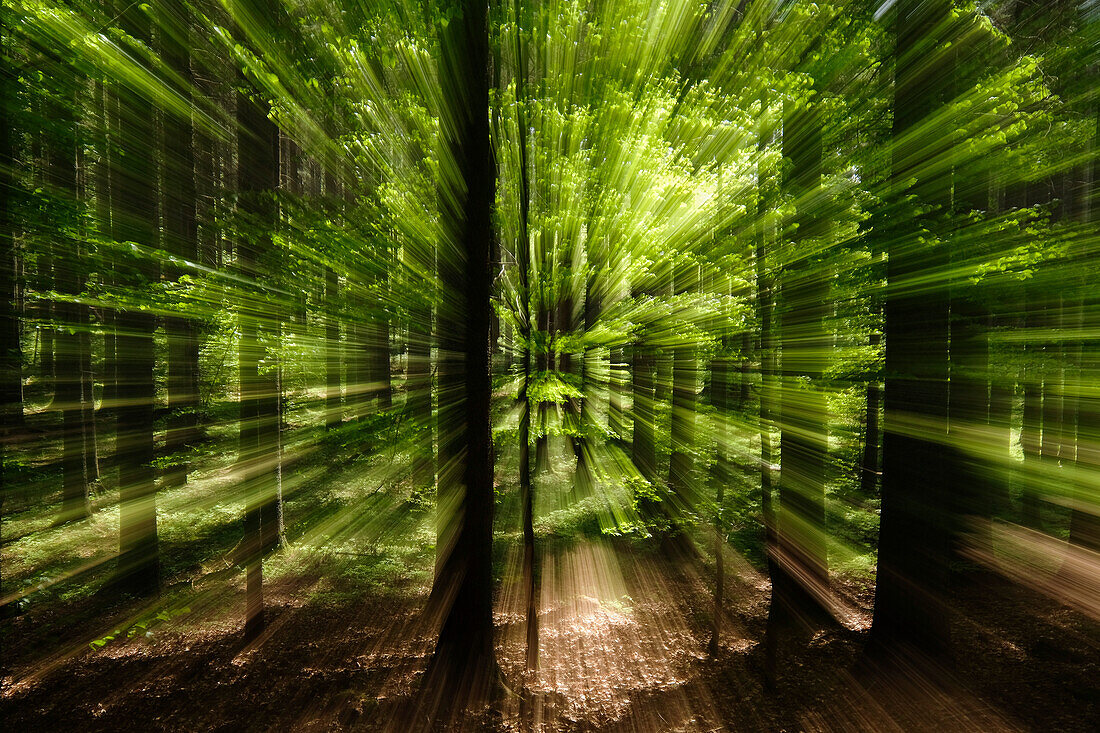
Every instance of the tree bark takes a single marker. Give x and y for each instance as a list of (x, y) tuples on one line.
[(800, 570), (333, 400), (909, 608), (463, 667), (135, 205), (181, 240), (61, 176), (257, 181)]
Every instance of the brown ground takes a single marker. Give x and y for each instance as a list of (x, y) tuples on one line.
[(624, 634)]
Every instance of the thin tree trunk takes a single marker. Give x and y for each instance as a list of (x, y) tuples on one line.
[(11, 353), (139, 562), (181, 239), (67, 398), (87, 403), (333, 402), (870, 466), (685, 377), (523, 264), (1030, 437), (257, 181)]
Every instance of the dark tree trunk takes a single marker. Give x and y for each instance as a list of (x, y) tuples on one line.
[(523, 264), (333, 401), (1084, 530), (1000, 421), (359, 364), (909, 608), (257, 181), (1050, 443), (181, 240), (67, 395), (615, 421), (720, 399), (136, 209), (799, 570), (644, 447), (87, 402), (463, 667), (968, 475), (106, 204), (11, 354), (418, 390), (378, 348), (769, 412)]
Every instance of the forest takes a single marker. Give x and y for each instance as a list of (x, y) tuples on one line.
[(558, 365)]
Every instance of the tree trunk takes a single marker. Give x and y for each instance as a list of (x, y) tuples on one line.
[(765, 306), (685, 377), (11, 354), (800, 571), (1084, 530), (523, 264), (378, 348), (61, 181), (257, 181), (1030, 435), (909, 609), (139, 563), (870, 466), (87, 402), (181, 240), (333, 402), (463, 667)]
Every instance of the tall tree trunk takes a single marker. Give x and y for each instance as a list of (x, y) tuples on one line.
[(765, 307), (720, 399), (909, 609), (1000, 422), (685, 377), (378, 348), (61, 179), (11, 352), (257, 182), (800, 571), (463, 667), (109, 214), (136, 209), (87, 402), (181, 240), (523, 264), (359, 364), (1084, 530), (970, 485), (644, 445), (616, 423)]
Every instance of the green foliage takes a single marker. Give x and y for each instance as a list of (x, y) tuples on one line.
[(144, 626)]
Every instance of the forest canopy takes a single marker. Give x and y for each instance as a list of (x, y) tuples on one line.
[(571, 365)]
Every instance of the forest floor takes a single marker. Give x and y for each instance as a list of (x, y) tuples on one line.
[(624, 634), (624, 627)]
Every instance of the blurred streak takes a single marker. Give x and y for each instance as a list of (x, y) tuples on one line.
[(1064, 572)]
